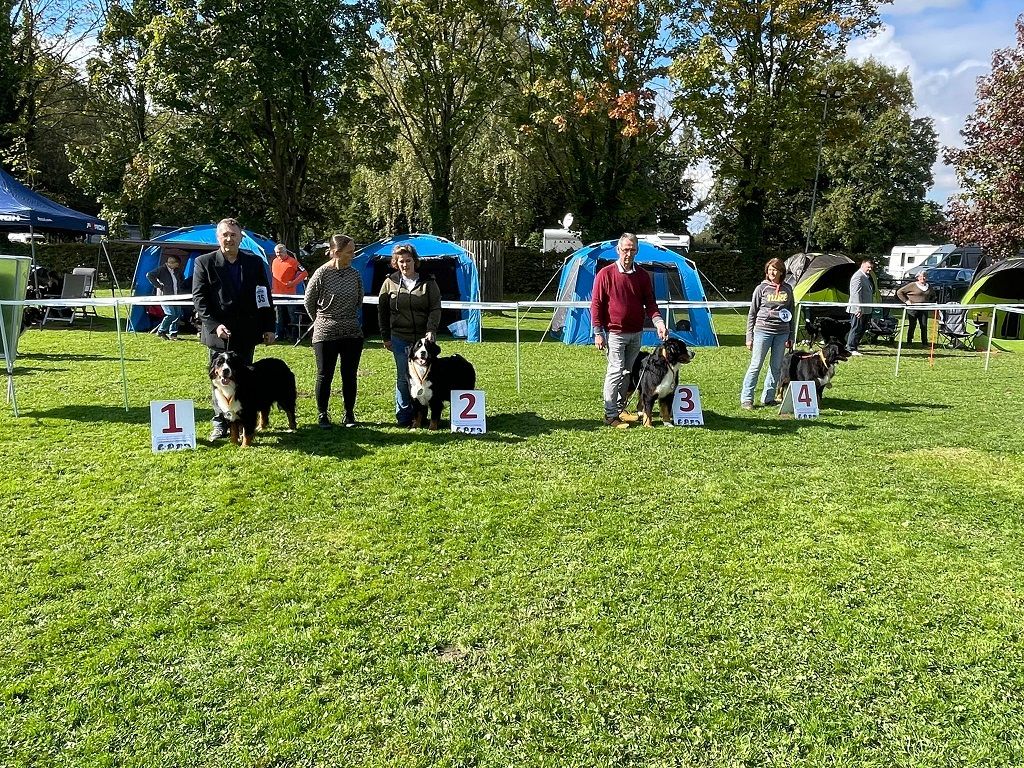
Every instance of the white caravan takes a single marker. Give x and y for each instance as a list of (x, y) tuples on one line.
[(905, 257), (678, 243)]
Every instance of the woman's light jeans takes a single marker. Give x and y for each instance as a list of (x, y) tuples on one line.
[(764, 342)]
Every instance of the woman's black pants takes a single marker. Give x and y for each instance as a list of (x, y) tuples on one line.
[(328, 354)]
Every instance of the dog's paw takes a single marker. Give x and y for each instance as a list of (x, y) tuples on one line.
[(666, 423)]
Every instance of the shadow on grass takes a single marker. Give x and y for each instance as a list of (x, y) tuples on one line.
[(75, 357), (773, 426), (840, 404), (508, 336), (114, 414)]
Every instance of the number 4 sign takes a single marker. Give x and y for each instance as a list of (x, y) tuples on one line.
[(469, 415), (172, 425), (686, 409), (801, 400)]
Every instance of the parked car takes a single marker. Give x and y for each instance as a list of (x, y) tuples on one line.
[(948, 284)]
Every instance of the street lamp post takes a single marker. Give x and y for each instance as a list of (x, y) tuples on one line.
[(817, 167)]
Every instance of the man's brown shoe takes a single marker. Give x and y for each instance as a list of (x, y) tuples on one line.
[(617, 423), (629, 418)]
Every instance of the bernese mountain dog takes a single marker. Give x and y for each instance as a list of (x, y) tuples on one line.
[(818, 367), (246, 392), (655, 376), (432, 379)]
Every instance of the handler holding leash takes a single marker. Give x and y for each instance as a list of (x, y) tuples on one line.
[(622, 296), (232, 297)]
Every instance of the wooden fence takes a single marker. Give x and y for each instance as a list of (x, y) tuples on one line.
[(489, 257)]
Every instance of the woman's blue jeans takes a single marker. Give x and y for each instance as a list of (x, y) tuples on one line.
[(403, 401), (764, 343)]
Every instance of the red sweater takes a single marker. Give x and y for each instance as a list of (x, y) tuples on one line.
[(620, 301)]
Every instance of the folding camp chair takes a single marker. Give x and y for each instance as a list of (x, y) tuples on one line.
[(953, 329), (72, 288), (90, 285)]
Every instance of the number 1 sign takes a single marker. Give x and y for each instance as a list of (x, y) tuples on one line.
[(801, 400), (172, 425), (469, 415)]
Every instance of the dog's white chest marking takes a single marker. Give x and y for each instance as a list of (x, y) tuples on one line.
[(668, 382), (227, 402), (419, 385)]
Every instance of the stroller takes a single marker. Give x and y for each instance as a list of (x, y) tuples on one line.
[(954, 332)]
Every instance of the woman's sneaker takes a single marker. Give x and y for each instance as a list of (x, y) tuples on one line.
[(324, 421)]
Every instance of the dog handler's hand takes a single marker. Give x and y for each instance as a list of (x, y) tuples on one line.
[(662, 331), (599, 341), (223, 332), (388, 345), (750, 346)]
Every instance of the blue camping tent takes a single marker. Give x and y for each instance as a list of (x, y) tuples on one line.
[(187, 243), (450, 265), (22, 210), (675, 279)]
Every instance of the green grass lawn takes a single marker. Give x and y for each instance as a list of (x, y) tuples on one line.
[(757, 592)]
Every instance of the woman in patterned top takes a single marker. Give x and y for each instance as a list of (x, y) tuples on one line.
[(771, 327), (333, 299)]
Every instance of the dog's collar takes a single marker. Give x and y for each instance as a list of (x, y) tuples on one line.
[(415, 370)]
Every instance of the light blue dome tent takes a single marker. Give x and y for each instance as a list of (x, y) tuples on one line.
[(449, 264), (675, 279), (187, 243)]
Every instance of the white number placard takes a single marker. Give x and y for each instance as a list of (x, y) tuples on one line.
[(801, 400), (172, 425), (686, 408), (469, 414)]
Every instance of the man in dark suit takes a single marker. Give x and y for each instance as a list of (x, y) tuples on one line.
[(233, 301)]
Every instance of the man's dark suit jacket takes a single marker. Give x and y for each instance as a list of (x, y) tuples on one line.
[(218, 303)]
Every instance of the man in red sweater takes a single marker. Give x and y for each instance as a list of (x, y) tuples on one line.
[(623, 296)]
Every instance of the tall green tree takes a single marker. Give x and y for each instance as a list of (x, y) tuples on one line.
[(443, 67), (126, 167), (748, 86), (257, 88), (990, 166), (591, 114)]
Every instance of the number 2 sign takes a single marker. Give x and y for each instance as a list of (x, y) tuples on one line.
[(686, 408), (469, 414), (172, 425)]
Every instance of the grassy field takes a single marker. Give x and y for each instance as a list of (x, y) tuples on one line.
[(757, 592)]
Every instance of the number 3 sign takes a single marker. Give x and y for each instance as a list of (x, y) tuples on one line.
[(469, 415), (172, 425), (686, 409)]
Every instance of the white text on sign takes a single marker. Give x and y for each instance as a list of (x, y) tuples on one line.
[(172, 425), (469, 412), (686, 407)]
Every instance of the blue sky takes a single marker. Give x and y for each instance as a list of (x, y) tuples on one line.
[(945, 45)]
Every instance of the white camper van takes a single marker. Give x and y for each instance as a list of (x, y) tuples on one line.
[(561, 240), (678, 243), (905, 257)]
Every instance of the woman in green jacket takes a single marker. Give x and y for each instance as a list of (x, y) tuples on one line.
[(408, 308)]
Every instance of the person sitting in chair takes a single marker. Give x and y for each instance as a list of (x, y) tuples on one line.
[(168, 280)]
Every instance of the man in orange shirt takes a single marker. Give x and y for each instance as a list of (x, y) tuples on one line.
[(288, 273)]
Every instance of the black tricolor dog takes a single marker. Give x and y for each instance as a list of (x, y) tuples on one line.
[(245, 393), (432, 379), (826, 330), (655, 376), (818, 367)]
